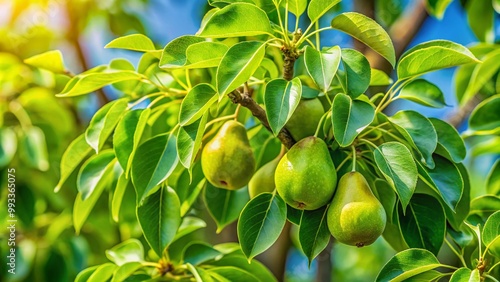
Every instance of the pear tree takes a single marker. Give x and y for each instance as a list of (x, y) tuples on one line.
[(266, 126)]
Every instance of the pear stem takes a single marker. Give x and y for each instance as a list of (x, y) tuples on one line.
[(353, 158), (342, 163), (319, 124), (237, 112), (245, 100)]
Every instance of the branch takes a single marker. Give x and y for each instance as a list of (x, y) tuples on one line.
[(290, 55), (325, 263), (462, 113), (246, 101), (402, 33)]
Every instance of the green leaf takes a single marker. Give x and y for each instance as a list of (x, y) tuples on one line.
[(388, 11), (238, 19), (205, 54), (200, 274), (367, 31), (318, 8), (192, 52), (490, 145), (419, 132), (293, 215), (238, 65), (433, 55), (127, 251), (189, 141), (116, 202), (431, 275), (445, 179), (406, 264), (188, 225), (392, 233), (153, 163), (255, 267), (174, 54), (357, 72), (379, 78), (199, 252), (189, 185), (196, 103), (484, 205), (481, 18), (125, 271), (134, 42), (224, 205), (481, 75), (103, 273), (84, 275), (437, 7), (159, 217), (313, 232), (462, 209), (486, 116), (50, 60), (349, 118), (424, 224), (322, 65), (103, 124), (491, 233), (33, 148), (92, 172), (424, 93), (396, 163), (462, 79), (465, 274), (127, 136), (493, 182), (86, 83), (450, 144), (230, 273), (8, 145), (385, 194), (296, 7), (224, 3), (261, 223), (281, 99), (82, 208)]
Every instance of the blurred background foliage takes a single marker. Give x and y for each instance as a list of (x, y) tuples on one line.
[(36, 127)]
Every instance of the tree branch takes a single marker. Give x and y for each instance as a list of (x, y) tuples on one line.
[(325, 263), (245, 100), (462, 113)]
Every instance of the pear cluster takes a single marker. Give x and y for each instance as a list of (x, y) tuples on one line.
[(305, 177)]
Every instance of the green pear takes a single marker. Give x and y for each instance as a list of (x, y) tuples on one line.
[(305, 119), (227, 160), (355, 216), (263, 179), (306, 177)]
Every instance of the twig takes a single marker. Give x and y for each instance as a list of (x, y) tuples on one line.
[(462, 113), (245, 100)]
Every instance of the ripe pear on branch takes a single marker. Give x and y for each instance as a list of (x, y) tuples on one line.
[(227, 160), (355, 216), (306, 177), (305, 119)]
